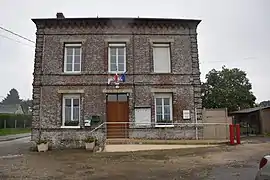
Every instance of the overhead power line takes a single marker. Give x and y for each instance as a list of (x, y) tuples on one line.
[(3, 36), (17, 35)]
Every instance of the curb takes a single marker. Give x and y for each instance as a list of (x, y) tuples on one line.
[(14, 138), (168, 142)]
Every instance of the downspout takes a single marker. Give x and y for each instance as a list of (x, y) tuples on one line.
[(133, 72), (43, 47), (196, 121)]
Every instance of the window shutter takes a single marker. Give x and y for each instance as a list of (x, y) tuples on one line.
[(162, 62)]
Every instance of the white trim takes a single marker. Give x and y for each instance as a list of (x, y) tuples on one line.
[(109, 58), (72, 45), (73, 58), (70, 96), (72, 72), (164, 95), (116, 45), (165, 125), (70, 127)]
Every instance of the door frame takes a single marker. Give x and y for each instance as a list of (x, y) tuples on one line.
[(128, 109)]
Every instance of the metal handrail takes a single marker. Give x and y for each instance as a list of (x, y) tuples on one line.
[(98, 127), (156, 123), (131, 126)]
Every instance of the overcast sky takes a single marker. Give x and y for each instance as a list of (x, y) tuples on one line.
[(232, 33)]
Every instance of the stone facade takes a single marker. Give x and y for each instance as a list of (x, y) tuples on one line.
[(141, 81)]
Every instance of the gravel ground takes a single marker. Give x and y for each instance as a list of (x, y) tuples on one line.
[(224, 162)]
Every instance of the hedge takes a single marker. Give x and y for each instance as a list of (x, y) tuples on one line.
[(22, 121)]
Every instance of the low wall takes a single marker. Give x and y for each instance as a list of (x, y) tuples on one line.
[(68, 138), (165, 133)]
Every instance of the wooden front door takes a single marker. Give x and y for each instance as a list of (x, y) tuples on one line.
[(117, 116)]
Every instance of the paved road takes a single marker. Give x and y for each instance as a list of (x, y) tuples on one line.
[(235, 171), (15, 147), (14, 136), (244, 169)]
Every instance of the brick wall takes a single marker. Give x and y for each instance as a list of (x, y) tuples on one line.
[(49, 78)]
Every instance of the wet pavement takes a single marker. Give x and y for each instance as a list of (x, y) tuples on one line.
[(15, 147)]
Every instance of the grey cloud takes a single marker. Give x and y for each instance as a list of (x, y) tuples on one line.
[(230, 34)]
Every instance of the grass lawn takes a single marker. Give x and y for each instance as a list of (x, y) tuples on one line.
[(10, 131)]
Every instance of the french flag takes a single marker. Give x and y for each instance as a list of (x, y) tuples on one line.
[(110, 79), (123, 77), (116, 77)]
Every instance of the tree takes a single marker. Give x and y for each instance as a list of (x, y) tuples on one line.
[(265, 103), (12, 98), (26, 104), (228, 88)]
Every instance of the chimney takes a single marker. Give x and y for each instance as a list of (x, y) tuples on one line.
[(60, 15)]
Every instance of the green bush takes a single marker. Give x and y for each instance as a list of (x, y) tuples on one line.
[(11, 118), (90, 140)]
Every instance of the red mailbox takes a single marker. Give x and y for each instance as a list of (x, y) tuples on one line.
[(237, 126), (232, 134)]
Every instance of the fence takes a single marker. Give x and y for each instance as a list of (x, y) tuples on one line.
[(168, 131), (15, 121)]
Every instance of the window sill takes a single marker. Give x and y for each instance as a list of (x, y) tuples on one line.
[(161, 125), (72, 73), (70, 127)]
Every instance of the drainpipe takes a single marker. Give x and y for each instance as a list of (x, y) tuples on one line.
[(133, 72), (196, 121)]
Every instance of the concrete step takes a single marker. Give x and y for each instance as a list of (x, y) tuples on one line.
[(158, 141), (147, 147)]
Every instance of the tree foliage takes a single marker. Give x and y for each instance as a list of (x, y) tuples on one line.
[(12, 98), (265, 103), (228, 88), (26, 104)]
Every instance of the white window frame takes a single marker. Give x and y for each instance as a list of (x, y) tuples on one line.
[(68, 45), (162, 45), (164, 95), (109, 57), (70, 96)]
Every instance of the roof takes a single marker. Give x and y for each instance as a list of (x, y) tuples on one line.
[(11, 109), (112, 19), (249, 110)]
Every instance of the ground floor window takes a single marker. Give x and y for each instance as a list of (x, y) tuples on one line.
[(71, 110), (163, 108)]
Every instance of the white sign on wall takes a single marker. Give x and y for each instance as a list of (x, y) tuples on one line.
[(142, 116), (186, 114)]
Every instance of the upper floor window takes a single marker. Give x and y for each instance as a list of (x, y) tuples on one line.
[(117, 58), (73, 54), (161, 58)]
